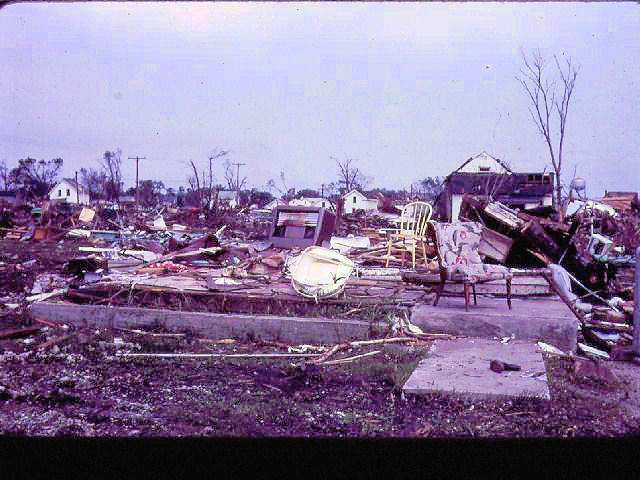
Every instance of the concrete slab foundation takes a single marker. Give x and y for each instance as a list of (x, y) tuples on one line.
[(294, 330), (461, 367), (546, 320)]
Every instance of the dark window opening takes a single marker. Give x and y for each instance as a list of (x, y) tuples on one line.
[(354, 199), (484, 169), (68, 192)]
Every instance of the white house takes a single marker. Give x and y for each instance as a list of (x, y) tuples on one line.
[(274, 203), (489, 177), (66, 190), (354, 200), (227, 197), (311, 202)]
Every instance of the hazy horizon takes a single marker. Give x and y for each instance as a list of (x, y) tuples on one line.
[(409, 90)]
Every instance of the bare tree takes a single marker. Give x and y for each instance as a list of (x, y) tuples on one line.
[(549, 99), (4, 175), (230, 177), (215, 155), (428, 188), (35, 177), (111, 165), (93, 181), (285, 192), (194, 182), (350, 176)]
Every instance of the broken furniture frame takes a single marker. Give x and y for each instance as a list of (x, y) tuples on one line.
[(294, 226)]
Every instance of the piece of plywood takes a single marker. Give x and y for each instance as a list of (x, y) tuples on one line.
[(86, 215), (494, 245)]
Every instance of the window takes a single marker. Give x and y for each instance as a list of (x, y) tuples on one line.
[(59, 193), (484, 169), (68, 192), (354, 199), (535, 178)]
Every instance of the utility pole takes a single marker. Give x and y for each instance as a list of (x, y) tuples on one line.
[(137, 159), (210, 180), (636, 310), (322, 194), (77, 190), (238, 182)]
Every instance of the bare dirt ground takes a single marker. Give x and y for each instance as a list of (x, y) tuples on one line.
[(76, 382)]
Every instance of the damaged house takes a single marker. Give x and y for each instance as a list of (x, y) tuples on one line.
[(487, 177)]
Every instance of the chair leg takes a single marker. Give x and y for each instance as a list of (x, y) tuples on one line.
[(439, 292), (466, 296), (475, 300), (509, 293), (413, 257), (424, 254)]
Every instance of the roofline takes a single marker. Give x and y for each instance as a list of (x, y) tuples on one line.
[(487, 154)]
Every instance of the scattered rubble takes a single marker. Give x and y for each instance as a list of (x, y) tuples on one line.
[(189, 259)]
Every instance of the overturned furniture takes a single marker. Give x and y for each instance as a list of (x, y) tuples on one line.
[(459, 261), (300, 226)]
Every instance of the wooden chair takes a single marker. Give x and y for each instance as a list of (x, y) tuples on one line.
[(457, 251), (412, 230)]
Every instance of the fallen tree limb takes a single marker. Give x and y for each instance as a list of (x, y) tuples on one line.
[(351, 359), (334, 349), (360, 343)]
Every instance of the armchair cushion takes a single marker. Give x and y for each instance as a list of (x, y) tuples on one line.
[(458, 246)]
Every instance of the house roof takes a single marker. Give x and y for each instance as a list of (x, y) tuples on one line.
[(356, 191), (621, 200), (72, 182), (276, 201), (309, 199), (485, 155)]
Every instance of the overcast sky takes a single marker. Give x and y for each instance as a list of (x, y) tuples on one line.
[(409, 90)]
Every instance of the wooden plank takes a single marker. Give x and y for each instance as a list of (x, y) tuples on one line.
[(295, 330), (19, 332), (494, 245)]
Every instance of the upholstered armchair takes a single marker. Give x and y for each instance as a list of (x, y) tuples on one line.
[(459, 261)]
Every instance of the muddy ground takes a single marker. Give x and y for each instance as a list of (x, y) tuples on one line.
[(73, 382)]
